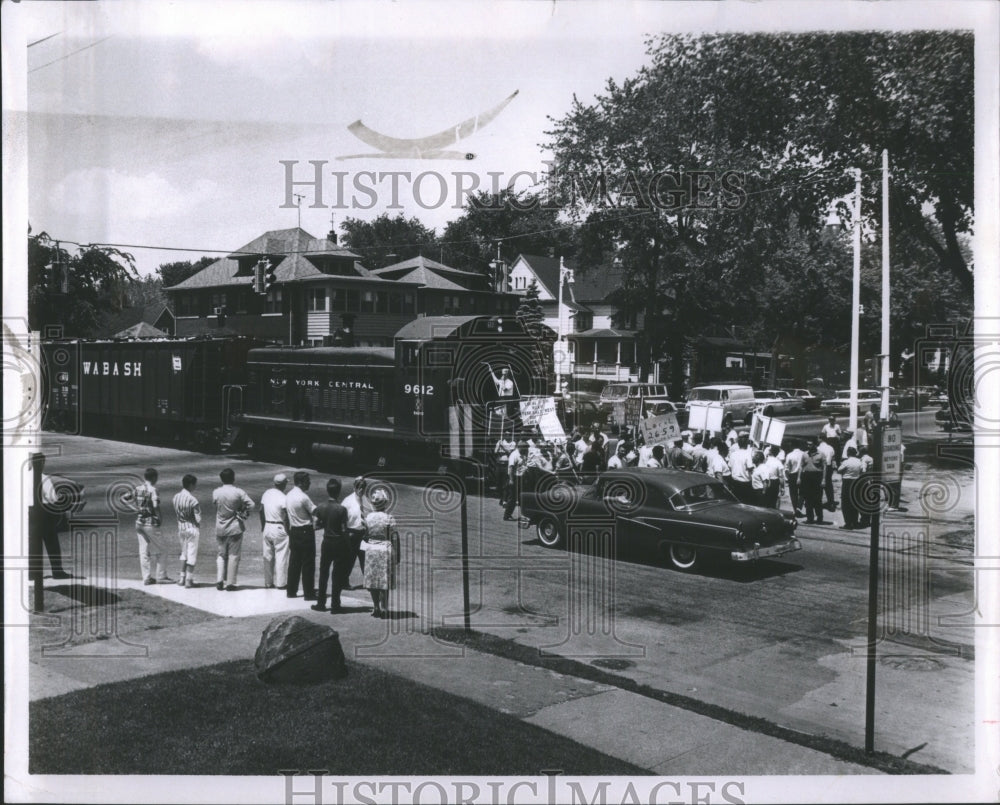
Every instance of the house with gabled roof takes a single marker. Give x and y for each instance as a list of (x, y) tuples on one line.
[(445, 290), (322, 294), (142, 321), (600, 334)]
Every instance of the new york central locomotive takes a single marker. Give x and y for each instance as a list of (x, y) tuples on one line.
[(440, 393)]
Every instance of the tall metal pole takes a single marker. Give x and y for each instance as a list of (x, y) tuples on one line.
[(559, 334), (884, 413), (464, 522), (852, 422)]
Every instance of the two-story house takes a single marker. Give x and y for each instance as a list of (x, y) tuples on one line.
[(601, 336), (322, 293)]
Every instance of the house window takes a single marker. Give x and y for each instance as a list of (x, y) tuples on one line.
[(272, 302), (242, 297), (352, 301), (368, 301), (452, 305), (381, 302), (218, 301), (316, 300)]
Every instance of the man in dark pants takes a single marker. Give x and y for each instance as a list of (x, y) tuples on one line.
[(301, 539), (336, 549), (850, 470), (50, 519)]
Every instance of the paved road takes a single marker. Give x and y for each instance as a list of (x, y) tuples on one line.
[(780, 640)]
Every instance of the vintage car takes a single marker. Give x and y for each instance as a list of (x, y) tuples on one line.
[(841, 404), (809, 401), (677, 516), (771, 402), (953, 418), (661, 407)]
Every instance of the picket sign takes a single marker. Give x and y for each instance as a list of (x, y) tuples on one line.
[(541, 411), (766, 430), (661, 429), (705, 417)]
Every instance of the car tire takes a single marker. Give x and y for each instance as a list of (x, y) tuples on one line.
[(549, 533), (683, 557)]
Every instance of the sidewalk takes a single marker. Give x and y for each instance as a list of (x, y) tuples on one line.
[(665, 739)]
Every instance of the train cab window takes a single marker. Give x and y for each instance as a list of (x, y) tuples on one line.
[(440, 356), (409, 354)]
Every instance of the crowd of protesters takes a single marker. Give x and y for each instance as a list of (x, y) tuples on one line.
[(756, 473)]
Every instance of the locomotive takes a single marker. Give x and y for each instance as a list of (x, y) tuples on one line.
[(439, 394)]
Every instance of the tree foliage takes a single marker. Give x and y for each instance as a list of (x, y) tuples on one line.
[(97, 282), (388, 240), (515, 222), (174, 273), (753, 136)]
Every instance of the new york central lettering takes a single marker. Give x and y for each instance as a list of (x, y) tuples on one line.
[(113, 368), (336, 384)]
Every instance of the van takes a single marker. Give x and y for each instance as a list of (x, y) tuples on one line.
[(738, 402), (617, 392)]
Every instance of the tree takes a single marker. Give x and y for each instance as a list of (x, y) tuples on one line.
[(387, 240), (694, 174), (174, 273), (516, 222), (97, 280), (530, 310)]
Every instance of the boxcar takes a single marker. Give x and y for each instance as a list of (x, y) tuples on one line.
[(182, 391)]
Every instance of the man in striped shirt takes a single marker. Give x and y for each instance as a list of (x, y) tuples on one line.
[(188, 512), (147, 529)]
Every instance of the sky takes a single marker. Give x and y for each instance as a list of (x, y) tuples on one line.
[(166, 124)]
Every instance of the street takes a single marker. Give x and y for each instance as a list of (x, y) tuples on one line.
[(782, 640)]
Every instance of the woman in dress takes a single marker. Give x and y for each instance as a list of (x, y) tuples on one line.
[(381, 547)]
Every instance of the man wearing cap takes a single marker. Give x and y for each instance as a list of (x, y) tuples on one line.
[(301, 539), (741, 465), (274, 528), (358, 508), (830, 461)]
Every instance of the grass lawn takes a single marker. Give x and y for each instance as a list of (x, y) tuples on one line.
[(221, 720)]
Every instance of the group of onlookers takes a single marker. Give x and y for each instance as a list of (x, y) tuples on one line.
[(357, 529)]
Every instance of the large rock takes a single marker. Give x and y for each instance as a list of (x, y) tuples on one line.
[(294, 650)]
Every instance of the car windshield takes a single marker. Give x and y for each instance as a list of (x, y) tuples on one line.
[(706, 395), (700, 495), (615, 392)]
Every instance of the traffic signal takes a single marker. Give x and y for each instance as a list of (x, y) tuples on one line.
[(269, 276), (55, 278), (258, 278)]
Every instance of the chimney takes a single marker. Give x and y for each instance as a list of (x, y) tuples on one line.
[(332, 234)]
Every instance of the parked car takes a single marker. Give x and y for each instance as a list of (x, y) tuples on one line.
[(773, 402), (951, 418), (678, 516), (912, 399), (938, 397), (579, 410), (660, 407), (618, 393), (737, 401), (810, 402), (841, 404)]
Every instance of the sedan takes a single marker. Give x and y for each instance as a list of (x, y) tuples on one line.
[(678, 516), (810, 402), (775, 403), (841, 404)]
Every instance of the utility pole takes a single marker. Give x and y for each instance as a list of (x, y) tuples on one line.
[(884, 412), (852, 422)]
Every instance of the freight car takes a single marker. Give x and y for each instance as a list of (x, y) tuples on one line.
[(182, 391), (433, 396)]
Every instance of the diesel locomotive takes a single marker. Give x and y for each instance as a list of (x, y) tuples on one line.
[(443, 392)]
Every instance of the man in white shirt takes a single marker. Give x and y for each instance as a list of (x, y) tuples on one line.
[(793, 471), (358, 508), (516, 465), (826, 450), (188, 511), (274, 533), (741, 465), (147, 528), (301, 539)]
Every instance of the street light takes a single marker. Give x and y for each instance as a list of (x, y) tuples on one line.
[(565, 276)]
